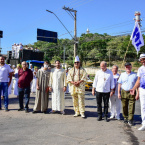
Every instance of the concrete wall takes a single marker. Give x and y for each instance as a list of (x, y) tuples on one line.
[(91, 70)]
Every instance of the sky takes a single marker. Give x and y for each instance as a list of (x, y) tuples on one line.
[(19, 19)]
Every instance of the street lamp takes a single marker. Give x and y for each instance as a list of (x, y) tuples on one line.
[(61, 23)]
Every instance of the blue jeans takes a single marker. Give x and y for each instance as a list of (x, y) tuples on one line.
[(24, 92), (4, 88)]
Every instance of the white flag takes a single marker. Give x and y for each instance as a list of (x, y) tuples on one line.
[(136, 37)]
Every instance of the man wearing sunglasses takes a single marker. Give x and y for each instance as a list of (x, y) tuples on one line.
[(141, 84), (76, 78)]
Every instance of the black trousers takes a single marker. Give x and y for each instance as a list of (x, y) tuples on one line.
[(105, 97)]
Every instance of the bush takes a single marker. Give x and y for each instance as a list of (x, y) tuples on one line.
[(137, 64)]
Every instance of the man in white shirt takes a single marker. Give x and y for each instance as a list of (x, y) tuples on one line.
[(115, 103), (104, 85), (5, 74), (141, 93)]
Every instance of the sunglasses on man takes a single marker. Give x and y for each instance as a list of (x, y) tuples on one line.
[(143, 59)]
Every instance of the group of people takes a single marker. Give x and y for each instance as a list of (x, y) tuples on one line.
[(18, 47), (125, 88), (107, 85)]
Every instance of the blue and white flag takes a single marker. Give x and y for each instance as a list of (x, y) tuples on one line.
[(136, 37)]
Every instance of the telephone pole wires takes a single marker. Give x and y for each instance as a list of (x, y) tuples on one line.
[(75, 26)]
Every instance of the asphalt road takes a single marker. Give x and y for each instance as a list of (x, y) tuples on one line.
[(20, 128)]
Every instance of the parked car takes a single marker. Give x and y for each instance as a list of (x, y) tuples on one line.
[(89, 84)]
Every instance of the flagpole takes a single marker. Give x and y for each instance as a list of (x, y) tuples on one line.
[(125, 55)]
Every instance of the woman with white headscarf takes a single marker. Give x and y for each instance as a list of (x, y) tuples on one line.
[(33, 87), (16, 80)]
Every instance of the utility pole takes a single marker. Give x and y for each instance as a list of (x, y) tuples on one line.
[(75, 27)]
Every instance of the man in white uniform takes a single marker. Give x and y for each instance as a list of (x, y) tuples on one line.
[(57, 85), (141, 93), (115, 103), (14, 50)]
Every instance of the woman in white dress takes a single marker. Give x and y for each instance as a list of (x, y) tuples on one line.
[(16, 80), (33, 87)]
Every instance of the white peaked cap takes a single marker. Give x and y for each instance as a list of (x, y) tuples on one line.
[(30, 64), (77, 59), (141, 56), (13, 66)]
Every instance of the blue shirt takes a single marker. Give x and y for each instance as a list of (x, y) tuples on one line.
[(127, 81), (141, 74)]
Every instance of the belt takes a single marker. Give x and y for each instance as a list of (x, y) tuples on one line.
[(126, 91)]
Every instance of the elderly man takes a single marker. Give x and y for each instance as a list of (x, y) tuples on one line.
[(5, 81), (25, 78), (57, 86), (115, 103), (42, 92), (104, 85), (76, 78), (141, 93), (126, 82)]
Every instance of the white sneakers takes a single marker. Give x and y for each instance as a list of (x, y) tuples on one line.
[(78, 114), (83, 115), (142, 128), (118, 118), (111, 117)]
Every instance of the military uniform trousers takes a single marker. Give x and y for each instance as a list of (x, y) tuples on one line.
[(128, 102)]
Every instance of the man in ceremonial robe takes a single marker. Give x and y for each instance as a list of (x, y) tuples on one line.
[(76, 78)]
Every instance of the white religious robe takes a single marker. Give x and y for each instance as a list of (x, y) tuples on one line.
[(57, 82)]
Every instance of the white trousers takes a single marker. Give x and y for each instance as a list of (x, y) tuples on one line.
[(115, 106), (142, 104)]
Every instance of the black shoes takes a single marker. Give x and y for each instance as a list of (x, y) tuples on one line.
[(45, 112), (6, 109), (26, 111), (34, 112), (20, 109), (106, 119), (130, 123), (99, 118), (125, 121)]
